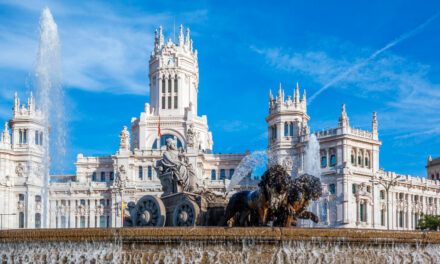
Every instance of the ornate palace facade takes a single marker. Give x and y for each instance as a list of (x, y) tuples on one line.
[(95, 196)]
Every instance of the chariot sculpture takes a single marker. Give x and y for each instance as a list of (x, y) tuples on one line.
[(279, 199)]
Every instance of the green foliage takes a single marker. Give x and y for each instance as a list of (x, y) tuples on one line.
[(429, 222)]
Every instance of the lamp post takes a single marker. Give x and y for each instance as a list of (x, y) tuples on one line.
[(387, 183), (1, 220)]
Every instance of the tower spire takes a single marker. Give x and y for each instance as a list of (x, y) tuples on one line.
[(297, 93), (270, 95), (161, 38), (181, 40), (304, 98)]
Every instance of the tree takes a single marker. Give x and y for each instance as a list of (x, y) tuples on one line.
[(429, 222)]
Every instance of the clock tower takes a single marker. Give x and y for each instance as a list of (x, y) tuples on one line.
[(174, 75)]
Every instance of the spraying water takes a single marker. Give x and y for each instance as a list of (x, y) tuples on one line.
[(311, 159), (254, 160), (48, 78)]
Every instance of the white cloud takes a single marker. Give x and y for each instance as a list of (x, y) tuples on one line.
[(102, 48)]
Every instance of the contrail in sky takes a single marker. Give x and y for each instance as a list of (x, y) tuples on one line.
[(374, 55)]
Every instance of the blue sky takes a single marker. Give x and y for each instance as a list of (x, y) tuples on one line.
[(245, 48)]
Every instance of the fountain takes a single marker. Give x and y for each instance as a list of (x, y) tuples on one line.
[(50, 96)]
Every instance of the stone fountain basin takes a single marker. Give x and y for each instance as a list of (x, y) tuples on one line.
[(218, 234)]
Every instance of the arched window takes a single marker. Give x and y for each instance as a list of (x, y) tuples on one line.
[(359, 160), (163, 140), (94, 176), (21, 220), (366, 162), (154, 145), (140, 173), (38, 220), (176, 85), (332, 188), (286, 129), (213, 176), (291, 129), (323, 161), (112, 176), (25, 136), (222, 174), (21, 136), (102, 176), (231, 172), (36, 137), (163, 85), (169, 84), (333, 160)]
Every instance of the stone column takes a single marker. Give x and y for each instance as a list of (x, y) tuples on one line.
[(92, 213)]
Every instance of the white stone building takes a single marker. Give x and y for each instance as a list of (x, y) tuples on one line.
[(94, 196)]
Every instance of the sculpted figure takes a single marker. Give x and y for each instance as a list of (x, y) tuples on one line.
[(174, 170), (302, 190), (251, 207)]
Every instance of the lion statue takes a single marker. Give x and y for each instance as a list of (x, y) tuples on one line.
[(302, 190), (251, 207)]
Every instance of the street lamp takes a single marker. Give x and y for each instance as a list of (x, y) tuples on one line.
[(387, 183), (1, 220)]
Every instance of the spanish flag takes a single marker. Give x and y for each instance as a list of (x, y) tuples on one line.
[(158, 132), (123, 213)]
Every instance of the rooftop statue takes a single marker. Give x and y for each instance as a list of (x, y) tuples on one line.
[(175, 172)]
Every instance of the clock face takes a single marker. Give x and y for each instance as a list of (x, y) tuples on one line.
[(169, 61)]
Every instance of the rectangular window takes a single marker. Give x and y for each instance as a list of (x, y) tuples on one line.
[(332, 188), (362, 215), (102, 202), (83, 221), (150, 172), (169, 102), (366, 162), (324, 212), (213, 176), (324, 161), (400, 218), (41, 138), (108, 221), (96, 221), (291, 129), (112, 176), (163, 102), (36, 137), (83, 202), (140, 172), (286, 130), (169, 85), (175, 102), (382, 195), (21, 197), (222, 174), (103, 176), (21, 220), (353, 188), (416, 220), (94, 176), (102, 221), (163, 85), (25, 136), (176, 85), (76, 221), (37, 220), (382, 217), (63, 221), (21, 136), (359, 160), (231, 172)]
